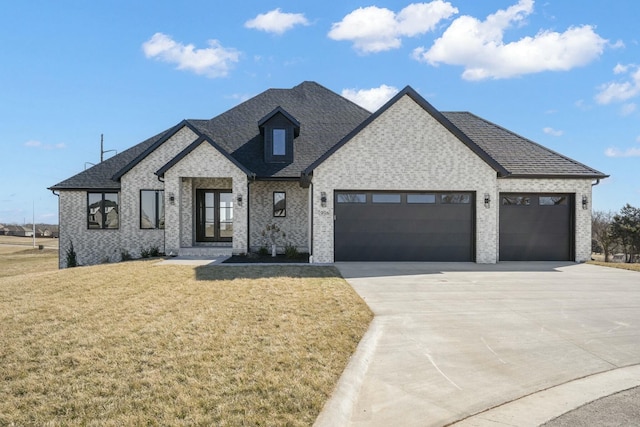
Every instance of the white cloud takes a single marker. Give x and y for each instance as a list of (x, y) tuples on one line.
[(37, 144), (552, 131), (370, 99), (628, 109), (376, 29), (616, 152), (213, 61), (621, 90), (276, 21), (479, 47)]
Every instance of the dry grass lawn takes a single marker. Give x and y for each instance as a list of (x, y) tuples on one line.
[(17, 260), (141, 344), (623, 265)]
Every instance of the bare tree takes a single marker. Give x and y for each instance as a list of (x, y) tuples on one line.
[(601, 231)]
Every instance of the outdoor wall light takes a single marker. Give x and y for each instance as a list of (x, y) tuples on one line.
[(172, 198), (585, 202), (323, 199), (239, 199), (487, 200)]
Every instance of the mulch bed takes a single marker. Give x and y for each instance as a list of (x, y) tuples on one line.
[(266, 259)]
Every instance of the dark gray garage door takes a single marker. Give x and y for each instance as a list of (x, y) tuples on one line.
[(536, 227), (403, 226)]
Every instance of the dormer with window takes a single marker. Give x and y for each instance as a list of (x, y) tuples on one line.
[(279, 129)]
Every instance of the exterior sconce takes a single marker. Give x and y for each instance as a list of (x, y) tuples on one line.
[(323, 199), (239, 199), (487, 200), (172, 199), (585, 202)]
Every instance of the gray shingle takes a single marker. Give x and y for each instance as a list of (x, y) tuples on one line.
[(325, 119), (518, 155)]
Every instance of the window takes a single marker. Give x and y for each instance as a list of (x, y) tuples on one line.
[(421, 198), (455, 198), (552, 200), (151, 209), (102, 211), (351, 198), (279, 142), (279, 204), (516, 200), (385, 198)]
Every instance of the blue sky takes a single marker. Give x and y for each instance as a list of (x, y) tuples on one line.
[(564, 74)]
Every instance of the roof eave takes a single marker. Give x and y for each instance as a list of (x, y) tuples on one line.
[(155, 145)]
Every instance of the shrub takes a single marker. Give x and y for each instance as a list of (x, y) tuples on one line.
[(72, 258), (291, 251), (263, 251), (125, 255), (150, 252)]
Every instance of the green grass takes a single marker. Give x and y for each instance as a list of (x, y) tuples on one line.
[(137, 343)]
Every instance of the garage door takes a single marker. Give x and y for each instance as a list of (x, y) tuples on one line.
[(536, 227), (404, 226)]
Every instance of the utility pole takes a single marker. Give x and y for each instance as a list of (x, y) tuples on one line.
[(102, 148), (102, 152), (33, 220)]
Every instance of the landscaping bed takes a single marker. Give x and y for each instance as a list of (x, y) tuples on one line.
[(254, 258)]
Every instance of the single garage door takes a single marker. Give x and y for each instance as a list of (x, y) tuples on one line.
[(404, 226), (536, 227)]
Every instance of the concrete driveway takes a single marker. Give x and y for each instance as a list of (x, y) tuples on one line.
[(505, 344)]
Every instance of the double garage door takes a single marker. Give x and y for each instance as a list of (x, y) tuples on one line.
[(440, 226), (404, 226)]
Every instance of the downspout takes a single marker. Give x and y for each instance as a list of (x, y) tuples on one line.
[(164, 230), (59, 211), (311, 222), (248, 214), (593, 184)]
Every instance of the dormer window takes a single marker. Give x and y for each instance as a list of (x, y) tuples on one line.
[(279, 129), (279, 142)]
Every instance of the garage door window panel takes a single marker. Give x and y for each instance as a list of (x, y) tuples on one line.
[(455, 198), (351, 198), (385, 198), (421, 198)]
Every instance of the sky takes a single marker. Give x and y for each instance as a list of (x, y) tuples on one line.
[(562, 73)]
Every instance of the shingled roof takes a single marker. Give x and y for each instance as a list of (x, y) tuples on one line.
[(327, 120), (520, 156)]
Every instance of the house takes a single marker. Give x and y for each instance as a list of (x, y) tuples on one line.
[(406, 183), (18, 230)]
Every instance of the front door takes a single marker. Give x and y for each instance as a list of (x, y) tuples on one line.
[(214, 215)]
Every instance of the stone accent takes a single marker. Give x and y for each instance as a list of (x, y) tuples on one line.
[(295, 224)]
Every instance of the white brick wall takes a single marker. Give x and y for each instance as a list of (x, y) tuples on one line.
[(295, 224), (404, 149), (204, 167), (407, 149)]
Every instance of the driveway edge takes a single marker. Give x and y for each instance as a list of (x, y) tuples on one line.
[(546, 405), (338, 409)]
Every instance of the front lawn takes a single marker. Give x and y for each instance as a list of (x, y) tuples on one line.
[(622, 265), (137, 343)]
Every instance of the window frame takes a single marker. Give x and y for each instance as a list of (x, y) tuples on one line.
[(281, 142), (158, 199), (101, 208), (280, 213)]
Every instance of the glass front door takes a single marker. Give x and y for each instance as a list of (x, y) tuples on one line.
[(214, 215)]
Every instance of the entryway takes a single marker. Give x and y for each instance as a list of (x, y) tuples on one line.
[(214, 215)]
